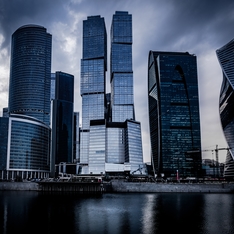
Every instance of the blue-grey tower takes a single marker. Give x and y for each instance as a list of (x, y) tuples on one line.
[(93, 77), (121, 67), (226, 103), (173, 105), (110, 138), (26, 135), (29, 90)]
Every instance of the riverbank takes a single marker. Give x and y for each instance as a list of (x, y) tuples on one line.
[(119, 186)]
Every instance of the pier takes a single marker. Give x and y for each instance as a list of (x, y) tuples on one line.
[(76, 187)]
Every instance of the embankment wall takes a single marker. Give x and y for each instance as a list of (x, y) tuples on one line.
[(19, 186), (118, 186)]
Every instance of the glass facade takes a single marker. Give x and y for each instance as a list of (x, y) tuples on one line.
[(229, 167), (25, 148), (52, 86), (226, 102), (121, 67), (4, 122), (133, 145), (115, 143), (76, 137), (29, 91), (108, 143), (97, 147), (94, 38), (62, 130), (29, 145), (93, 78), (174, 113), (93, 68), (84, 146)]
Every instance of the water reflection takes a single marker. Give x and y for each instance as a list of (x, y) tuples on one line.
[(32, 212)]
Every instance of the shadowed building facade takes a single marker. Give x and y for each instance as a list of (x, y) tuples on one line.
[(62, 124), (225, 57), (174, 121)]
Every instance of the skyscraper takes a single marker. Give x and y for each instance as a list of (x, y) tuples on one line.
[(173, 106), (93, 77), (27, 149), (110, 137), (121, 67), (29, 91), (226, 102), (62, 123)]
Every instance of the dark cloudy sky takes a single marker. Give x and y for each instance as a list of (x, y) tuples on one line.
[(197, 26)]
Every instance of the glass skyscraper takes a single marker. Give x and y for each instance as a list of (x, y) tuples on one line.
[(226, 102), (24, 147), (174, 121), (110, 138), (62, 124), (121, 67), (28, 124), (93, 78), (29, 91)]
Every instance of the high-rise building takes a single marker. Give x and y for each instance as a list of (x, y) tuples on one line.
[(110, 138), (121, 67), (62, 121), (173, 105), (29, 89), (24, 147), (93, 78), (26, 153), (226, 102)]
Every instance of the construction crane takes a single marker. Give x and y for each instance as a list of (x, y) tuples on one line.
[(217, 153), (212, 150)]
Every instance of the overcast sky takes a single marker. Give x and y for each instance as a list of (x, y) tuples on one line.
[(197, 26)]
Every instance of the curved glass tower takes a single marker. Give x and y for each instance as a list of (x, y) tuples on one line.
[(226, 102), (29, 91), (174, 114), (24, 148)]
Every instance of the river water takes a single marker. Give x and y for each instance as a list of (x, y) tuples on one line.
[(33, 212)]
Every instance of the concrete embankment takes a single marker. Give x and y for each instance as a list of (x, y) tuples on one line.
[(120, 186), (19, 186)]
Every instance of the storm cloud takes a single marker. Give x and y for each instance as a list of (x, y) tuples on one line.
[(199, 27)]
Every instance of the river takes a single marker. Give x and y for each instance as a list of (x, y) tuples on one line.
[(146, 213)]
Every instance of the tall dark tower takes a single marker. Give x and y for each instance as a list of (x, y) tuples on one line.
[(62, 124), (29, 91), (174, 114)]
